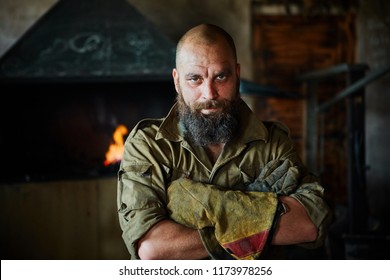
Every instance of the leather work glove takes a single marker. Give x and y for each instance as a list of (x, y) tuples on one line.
[(278, 176), (214, 249), (242, 220)]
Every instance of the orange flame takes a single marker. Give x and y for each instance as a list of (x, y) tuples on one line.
[(115, 151)]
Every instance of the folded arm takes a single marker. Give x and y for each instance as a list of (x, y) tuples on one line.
[(169, 240), (295, 226)]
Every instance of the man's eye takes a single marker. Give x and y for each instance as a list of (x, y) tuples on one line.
[(194, 80), (221, 77)]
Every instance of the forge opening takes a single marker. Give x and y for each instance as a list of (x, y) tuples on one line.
[(62, 130)]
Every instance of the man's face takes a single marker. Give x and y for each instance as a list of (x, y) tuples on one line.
[(206, 76), (207, 82)]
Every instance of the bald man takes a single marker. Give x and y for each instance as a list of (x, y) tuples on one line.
[(188, 181)]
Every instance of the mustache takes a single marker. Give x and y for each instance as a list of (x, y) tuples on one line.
[(211, 104)]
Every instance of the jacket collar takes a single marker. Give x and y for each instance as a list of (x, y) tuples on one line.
[(250, 127)]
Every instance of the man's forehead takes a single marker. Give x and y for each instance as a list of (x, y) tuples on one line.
[(203, 56), (210, 68)]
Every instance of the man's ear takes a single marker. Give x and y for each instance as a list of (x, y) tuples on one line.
[(238, 70), (175, 76)]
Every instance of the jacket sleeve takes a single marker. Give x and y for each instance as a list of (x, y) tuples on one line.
[(309, 192), (141, 195)]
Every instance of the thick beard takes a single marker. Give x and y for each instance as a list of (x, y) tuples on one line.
[(204, 130)]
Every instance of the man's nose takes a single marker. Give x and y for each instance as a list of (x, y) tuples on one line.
[(209, 90)]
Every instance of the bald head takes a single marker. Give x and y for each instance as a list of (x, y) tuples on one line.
[(206, 34)]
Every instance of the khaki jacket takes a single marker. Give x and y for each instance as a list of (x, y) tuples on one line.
[(156, 154)]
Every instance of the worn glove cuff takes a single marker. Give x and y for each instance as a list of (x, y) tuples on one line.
[(213, 248)]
